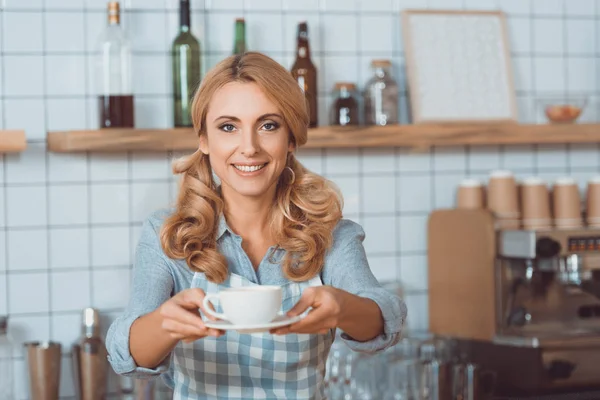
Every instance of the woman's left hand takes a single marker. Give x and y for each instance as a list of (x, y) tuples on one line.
[(327, 305)]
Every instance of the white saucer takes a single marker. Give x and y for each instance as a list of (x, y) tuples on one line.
[(279, 321)]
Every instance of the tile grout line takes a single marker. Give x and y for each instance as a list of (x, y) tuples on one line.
[(597, 45), (47, 172), (88, 160), (4, 174), (534, 148), (566, 75), (396, 155), (397, 226)]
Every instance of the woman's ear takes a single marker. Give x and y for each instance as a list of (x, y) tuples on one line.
[(291, 147), (204, 144)]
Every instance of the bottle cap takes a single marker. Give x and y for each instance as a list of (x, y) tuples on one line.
[(113, 7), (91, 322), (345, 85), (113, 12), (381, 63)]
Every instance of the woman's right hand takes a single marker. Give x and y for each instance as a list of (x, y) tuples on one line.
[(181, 319)]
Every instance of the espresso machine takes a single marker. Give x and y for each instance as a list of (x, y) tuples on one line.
[(524, 304)]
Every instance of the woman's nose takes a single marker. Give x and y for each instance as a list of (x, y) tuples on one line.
[(249, 145)]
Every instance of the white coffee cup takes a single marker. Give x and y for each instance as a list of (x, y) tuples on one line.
[(246, 305)]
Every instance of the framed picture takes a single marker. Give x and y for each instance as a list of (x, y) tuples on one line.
[(458, 67)]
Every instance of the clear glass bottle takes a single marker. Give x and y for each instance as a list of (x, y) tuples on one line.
[(115, 91), (6, 362), (381, 95), (345, 107)]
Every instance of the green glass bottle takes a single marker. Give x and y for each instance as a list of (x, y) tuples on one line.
[(185, 54), (239, 44)]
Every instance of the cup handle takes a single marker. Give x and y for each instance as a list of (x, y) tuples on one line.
[(207, 309)]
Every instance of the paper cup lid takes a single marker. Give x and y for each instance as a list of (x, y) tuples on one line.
[(470, 183), (566, 180), (533, 180), (501, 174)]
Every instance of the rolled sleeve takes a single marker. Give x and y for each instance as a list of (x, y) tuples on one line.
[(152, 285), (347, 268), (393, 311), (119, 355)]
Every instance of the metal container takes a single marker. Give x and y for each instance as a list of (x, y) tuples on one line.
[(44, 364)]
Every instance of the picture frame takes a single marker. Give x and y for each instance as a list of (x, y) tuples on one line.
[(458, 66)]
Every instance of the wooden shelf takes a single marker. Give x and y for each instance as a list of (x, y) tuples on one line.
[(415, 136), (111, 140), (12, 141)]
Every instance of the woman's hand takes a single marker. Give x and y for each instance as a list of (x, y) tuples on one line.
[(181, 319), (327, 305)]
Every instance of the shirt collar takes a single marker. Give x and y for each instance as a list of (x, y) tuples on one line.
[(222, 228)]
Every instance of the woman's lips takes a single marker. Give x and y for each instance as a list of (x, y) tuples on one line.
[(249, 169)]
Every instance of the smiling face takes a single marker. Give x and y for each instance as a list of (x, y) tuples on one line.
[(246, 139)]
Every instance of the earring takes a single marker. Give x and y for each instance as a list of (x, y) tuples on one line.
[(293, 176)]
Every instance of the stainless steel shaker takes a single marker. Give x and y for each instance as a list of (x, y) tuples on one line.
[(89, 358), (44, 364)]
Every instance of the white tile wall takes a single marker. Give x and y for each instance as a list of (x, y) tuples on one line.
[(64, 32), (110, 246), (69, 248), (69, 222), (21, 255), (23, 32), (24, 75)]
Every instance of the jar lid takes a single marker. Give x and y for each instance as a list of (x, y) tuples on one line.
[(381, 63), (345, 85), (3, 324)]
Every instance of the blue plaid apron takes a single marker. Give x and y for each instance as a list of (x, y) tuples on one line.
[(252, 366)]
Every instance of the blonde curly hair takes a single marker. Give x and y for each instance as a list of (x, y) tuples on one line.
[(306, 209)]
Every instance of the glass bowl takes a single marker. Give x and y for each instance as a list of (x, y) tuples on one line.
[(563, 110)]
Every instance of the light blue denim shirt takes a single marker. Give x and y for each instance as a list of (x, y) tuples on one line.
[(156, 278)]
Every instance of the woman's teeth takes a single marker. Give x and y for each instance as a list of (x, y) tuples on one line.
[(249, 168)]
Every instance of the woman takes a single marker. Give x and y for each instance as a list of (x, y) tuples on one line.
[(268, 221)]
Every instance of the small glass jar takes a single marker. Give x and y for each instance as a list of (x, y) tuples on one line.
[(381, 95), (345, 107), (6, 362)]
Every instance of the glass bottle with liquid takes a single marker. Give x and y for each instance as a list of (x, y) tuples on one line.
[(305, 73), (115, 94), (381, 95), (6, 361), (239, 43), (185, 57), (345, 107)]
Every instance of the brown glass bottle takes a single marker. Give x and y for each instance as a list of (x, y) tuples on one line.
[(345, 108), (305, 73)]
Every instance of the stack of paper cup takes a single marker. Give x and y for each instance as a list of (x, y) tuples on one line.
[(567, 204), (535, 204), (503, 200), (593, 202), (470, 195)]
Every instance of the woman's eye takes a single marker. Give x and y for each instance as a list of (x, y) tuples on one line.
[(227, 128), (270, 126)]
